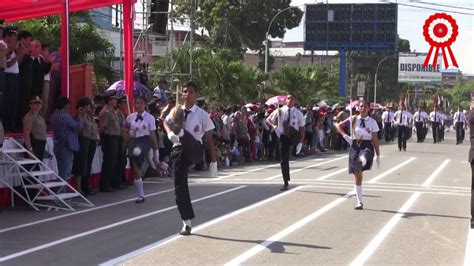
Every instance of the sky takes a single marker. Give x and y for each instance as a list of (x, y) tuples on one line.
[(410, 26)]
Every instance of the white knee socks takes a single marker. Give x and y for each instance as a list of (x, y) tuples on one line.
[(139, 186), (358, 193)]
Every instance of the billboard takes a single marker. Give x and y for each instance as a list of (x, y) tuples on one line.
[(351, 27), (411, 69)]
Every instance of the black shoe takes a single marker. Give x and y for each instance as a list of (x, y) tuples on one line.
[(359, 206), (140, 199), (107, 190), (185, 231), (284, 187), (404, 149), (120, 187), (90, 193)]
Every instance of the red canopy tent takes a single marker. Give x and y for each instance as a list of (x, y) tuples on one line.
[(14, 10)]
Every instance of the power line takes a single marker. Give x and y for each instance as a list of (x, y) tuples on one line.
[(435, 4), (435, 9)]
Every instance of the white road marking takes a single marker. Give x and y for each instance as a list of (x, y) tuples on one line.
[(377, 178), (196, 229), (93, 231), (324, 177), (261, 168), (374, 244), (310, 166), (469, 256), (435, 173), (79, 212), (261, 246)]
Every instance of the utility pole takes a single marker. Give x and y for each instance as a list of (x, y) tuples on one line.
[(191, 31)]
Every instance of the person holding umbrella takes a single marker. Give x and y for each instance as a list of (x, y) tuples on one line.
[(288, 123)]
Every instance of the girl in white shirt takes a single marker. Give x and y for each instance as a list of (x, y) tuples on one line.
[(141, 129), (363, 142)]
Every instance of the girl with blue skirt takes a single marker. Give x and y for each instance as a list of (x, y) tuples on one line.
[(364, 146)]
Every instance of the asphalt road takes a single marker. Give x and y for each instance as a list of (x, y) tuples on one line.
[(416, 211)]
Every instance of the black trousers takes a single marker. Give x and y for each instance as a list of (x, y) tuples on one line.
[(90, 157), (121, 164), (285, 147), (459, 132), (109, 164), (388, 131), (402, 137), (435, 129), (419, 131), (38, 148), (10, 101), (274, 150), (472, 190), (179, 166)]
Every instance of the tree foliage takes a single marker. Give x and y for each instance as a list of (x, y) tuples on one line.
[(224, 77), (363, 67), (241, 24), (221, 75), (461, 94), (309, 83), (86, 44)]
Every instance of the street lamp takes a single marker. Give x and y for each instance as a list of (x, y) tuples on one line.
[(266, 34), (376, 72)]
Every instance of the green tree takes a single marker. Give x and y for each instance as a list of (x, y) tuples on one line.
[(309, 83), (86, 44), (221, 75), (241, 24), (461, 94), (365, 63)]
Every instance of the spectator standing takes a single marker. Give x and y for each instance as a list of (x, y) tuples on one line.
[(65, 138)]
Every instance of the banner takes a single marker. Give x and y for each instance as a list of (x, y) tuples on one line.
[(411, 69)]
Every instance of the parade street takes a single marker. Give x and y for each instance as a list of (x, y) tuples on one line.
[(416, 211)]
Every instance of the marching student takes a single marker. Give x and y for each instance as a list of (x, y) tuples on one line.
[(402, 119), (420, 117), (471, 159), (364, 146), (387, 117), (460, 121), (435, 124), (186, 126), (141, 138), (288, 123)]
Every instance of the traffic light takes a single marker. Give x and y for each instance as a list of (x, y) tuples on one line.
[(159, 15)]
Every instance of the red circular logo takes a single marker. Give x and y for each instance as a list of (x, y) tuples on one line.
[(440, 31)]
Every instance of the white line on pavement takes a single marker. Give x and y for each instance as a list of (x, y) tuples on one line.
[(374, 244), (469, 256), (310, 166), (79, 212), (66, 239), (261, 168), (367, 252), (196, 229), (377, 178), (324, 177), (435, 173), (261, 246)]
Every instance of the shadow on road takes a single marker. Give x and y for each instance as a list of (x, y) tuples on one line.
[(276, 247), (409, 215)]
